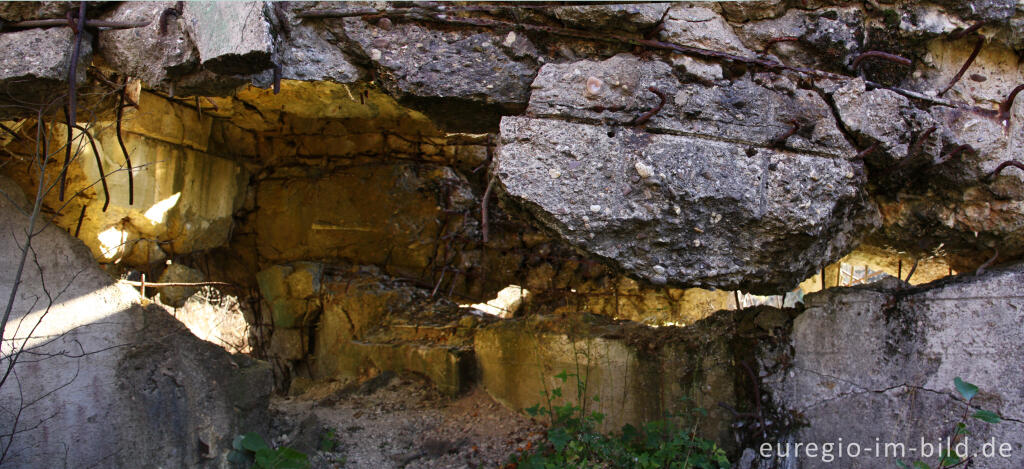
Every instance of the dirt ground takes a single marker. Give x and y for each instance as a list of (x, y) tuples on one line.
[(400, 422)]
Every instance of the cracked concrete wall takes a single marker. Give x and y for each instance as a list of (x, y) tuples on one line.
[(108, 378), (879, 362)]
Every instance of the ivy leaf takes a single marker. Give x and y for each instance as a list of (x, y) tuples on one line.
[(921, 465), (948, 459), (967, 390), (252, 441), (987, 416), (558, 437)]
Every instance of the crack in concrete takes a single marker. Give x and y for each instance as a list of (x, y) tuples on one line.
[(867, 390), (683, 133)]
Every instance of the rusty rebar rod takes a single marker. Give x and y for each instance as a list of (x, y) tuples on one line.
[(865, 152), (120, 141), (81, 216), (913, 269), (649, 114), (780, 140), (967, 64), (776, 40), (72, 106), (45, 23), (990, 176), (969, 30), (954, 152), (1007, 105), (915, 146), (880, 55)]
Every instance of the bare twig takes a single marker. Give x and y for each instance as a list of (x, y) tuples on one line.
[(987, 264), (483, 210), (99, 166)]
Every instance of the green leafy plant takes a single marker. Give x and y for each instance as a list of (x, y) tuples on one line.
[(253, 450), (948, 458), (574, 441), (328, 441)]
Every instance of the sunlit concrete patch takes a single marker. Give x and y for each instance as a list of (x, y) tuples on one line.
[(505, 305)]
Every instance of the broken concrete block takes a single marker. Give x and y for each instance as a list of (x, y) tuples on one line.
[(34, 66), (233, 38), (682, 209), (878, 363), (154, 57)]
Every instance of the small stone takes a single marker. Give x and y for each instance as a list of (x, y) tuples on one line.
[(510, 39), (375, 54), (643, 170), (384, 24), (380, 43), (659, 279), (594, 86), (595, 208), (659, 269), (554, 173)]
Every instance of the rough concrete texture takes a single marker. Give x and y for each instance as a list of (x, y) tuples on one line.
[(627, 298), (701, 27), (311, 54), (157, 59), (751, 111), (34, 68), (635, 17), (886, 366), (179, 213), (678, 209), (373, 205), (186, 398), (638, 373), (178, 273), (371, 324), (232, 38), (290, 293), (441, 72), (110, 382)]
